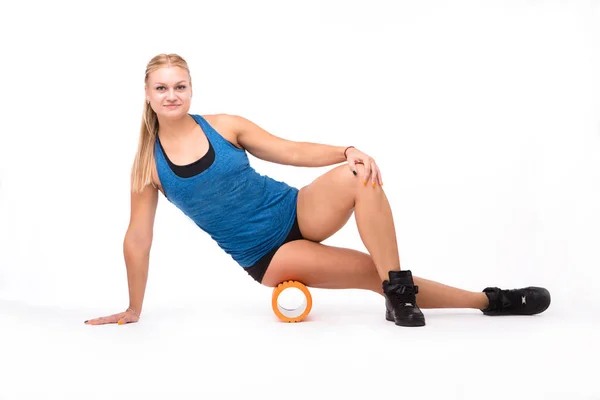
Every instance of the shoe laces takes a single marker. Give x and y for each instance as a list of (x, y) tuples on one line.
[(505, 299), (404, 293)]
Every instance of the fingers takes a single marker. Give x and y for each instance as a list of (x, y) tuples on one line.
[(371, 174), (368, 170), (100, 321), (111, 319), (375, 175), (377, 178)]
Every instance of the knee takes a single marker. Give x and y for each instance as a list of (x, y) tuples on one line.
[(351, 177), (365, 179), (361, 180)]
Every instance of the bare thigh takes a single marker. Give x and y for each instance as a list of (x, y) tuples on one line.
[(326, 204), (322, 266)]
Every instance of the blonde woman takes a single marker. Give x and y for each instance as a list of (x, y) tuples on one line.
[(271, 229)]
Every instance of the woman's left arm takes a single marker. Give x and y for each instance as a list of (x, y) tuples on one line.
[(266, 146)]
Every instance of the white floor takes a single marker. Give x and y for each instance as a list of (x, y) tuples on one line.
[(344, 349), (483, 117)]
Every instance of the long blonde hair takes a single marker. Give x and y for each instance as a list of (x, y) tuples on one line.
[(141, 171)]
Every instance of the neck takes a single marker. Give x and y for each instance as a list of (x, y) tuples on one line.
[(176, 128)]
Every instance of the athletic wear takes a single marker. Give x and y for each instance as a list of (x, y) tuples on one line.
[(400, 294), (258, 270), (246, 213), (526, 301)]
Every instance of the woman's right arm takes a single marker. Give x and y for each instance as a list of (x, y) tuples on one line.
[(137, 243), (136, 249)]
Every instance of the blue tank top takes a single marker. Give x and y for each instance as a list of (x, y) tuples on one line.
[(246, 213)]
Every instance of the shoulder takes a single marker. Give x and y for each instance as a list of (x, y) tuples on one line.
[(227, 125), (228, 122)]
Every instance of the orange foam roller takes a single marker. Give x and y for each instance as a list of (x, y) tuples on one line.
[(291, 314)]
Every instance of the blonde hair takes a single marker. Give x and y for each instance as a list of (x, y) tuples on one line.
[(141, 171)]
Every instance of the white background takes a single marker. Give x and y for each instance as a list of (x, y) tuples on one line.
[(484, 118)]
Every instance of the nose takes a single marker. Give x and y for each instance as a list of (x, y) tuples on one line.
[(171, 95)]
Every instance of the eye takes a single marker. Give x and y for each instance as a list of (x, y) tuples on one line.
[(180, 86)]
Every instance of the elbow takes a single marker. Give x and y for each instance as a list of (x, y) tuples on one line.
[(138, 241), (295, 157)]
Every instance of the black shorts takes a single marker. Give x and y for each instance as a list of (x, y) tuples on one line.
[(257, 271)]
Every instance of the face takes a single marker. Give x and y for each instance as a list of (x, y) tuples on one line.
[(169, 86)]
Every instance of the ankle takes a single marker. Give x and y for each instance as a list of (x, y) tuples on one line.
[(480, 301)]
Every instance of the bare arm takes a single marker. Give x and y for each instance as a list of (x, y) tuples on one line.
[(266, 146), (138, 242), (136, 248)]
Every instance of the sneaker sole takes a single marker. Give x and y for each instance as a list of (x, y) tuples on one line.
[(410, 323)]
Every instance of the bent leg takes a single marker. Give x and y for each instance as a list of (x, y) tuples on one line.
[(327, 203), (329, 267)]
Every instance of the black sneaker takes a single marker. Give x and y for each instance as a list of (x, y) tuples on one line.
[(526, 301), (400, 299)]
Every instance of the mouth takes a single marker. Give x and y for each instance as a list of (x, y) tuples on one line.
[(173, 105)]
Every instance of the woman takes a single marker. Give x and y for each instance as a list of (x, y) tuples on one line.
[(272, 230)]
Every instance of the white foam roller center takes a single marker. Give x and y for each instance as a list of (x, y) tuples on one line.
[(291, 302)]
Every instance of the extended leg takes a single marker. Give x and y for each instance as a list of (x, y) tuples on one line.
[(329, 267), (325, 206)]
